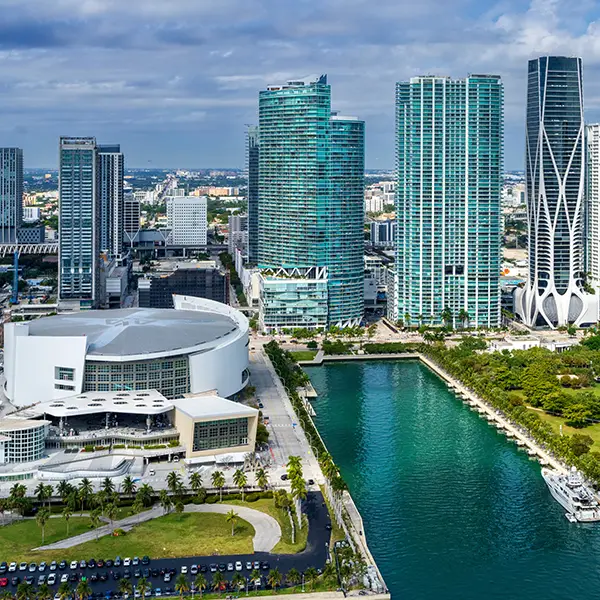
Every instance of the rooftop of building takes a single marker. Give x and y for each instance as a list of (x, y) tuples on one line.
[(14, 424), (135, 331), (199, 406)]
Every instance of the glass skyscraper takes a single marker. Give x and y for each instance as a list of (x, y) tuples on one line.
[(79, 215), (555, 172), (449, 148), (11, 193), (252, 154), (310, 198), (110, 191)]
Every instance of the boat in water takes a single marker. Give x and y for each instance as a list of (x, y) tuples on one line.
[(570, 491)]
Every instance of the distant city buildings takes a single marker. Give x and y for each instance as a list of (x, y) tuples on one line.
[(187, 220), (449, 141), (238, 233), (11, 193), (131, 217), (310, 208), (383, 233), (111, 164), (555, 294), (252, 159)]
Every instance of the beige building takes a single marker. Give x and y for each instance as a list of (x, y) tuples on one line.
[(210, 425)]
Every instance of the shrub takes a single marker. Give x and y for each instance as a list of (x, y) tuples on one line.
[(252, 497), (88, 448), (212, 499), (118, 446), (200, 496)]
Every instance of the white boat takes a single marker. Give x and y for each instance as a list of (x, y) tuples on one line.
[(571, 518), (570, 491)]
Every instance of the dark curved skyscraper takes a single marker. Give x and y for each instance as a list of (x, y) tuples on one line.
[(555, 171)]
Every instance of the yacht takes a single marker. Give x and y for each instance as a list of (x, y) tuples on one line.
[(569, 490)]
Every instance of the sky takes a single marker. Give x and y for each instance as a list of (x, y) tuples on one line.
[(176, 81)]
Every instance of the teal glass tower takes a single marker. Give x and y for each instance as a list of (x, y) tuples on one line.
[(449, 147), (310, 198)]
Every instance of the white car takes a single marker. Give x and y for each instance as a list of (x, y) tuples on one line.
[(53, 565), (12, 567), (238, 566), (64, 578), (127, 562), (183, 570), (51, 579), (137, 594), (42, 566), (74, 564), (57, 596)]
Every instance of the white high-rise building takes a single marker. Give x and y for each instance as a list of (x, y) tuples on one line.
[(593, 206), (554, 294), (186, 218)]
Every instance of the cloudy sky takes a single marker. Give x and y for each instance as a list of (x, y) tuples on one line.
[(175, 81)]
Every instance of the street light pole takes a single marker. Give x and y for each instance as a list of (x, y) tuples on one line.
[(302, 582)]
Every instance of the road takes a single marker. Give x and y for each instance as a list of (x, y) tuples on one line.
[(315, 555)]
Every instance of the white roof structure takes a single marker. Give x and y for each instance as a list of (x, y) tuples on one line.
[(10, 424), (199, 406), (144, 402)]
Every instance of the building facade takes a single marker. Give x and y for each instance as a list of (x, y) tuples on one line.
[(110, 191), (237, 226), (187, 220), (11, 193), (592, 195), (554, 294), (131, 218), (383, 233), (310, 196), (79, 216), (252, 154), (449, 148)]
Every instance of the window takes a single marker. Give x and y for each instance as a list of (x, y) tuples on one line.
[(60, 386), (64, 373), (225, 433)]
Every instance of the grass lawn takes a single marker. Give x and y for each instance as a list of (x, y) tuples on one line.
[(174, 535), (304, 354), (285, 545), (592, 430)]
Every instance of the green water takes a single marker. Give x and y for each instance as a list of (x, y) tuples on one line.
[(451, 508)]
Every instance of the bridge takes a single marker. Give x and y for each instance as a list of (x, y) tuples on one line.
[(43, 248)]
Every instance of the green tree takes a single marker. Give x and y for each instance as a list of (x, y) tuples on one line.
[(218, 481), (232, 517), (181, 585), (173, 481), (463, 317), (293, 576), (446, 316), (145, 494), (165, 501), (129, 486), (240, 480), (255, 577), (143, 586), (311, 575), (83, 590), (577, 415), (95, 519), (195, 481), (538, 380), (581, 444), (67, 513), (85, 491), (41, 519), (218, 582), (125, 587), (262, 479), (41, 492), (238, 581), (108, 486), (274, 579), (25, 591), (64, 591), (200, 583), (179, 507), (111, 512)]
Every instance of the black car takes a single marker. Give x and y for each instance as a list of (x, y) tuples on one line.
[(127, 574), (109, 563), (284, 477), (91, 564), (146, 573), (203, 569), (104, 576), (145, 560), (118, 561), (94, 577), (222, 567), (100, 563), (155, 572), (29, 579), (62, 565), (3, 567), (116, 575), (173, 571), (264, 566), (73, 577), (311, 482), (137, 573), (15, 580)]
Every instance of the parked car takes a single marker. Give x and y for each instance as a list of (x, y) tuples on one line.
[(23, 566), (51, 579), (167, 577), (230, 566), (284, 477), (32, 567), (64, 578), (16, 580), (42, 566), (41, 580), (238, 566), (158, 592), (184, 569), (74, 564), (145, 560), (194, 570), (249, 566), (12, 567), (136, 561), (127, 562), (62, 565), (29, 579), (3, 581), (53, 566)]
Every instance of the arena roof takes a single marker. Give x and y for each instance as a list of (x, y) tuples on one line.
[(135, 331), (201, 407)]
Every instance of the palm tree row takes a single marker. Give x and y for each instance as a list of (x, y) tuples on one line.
[(298, 485)]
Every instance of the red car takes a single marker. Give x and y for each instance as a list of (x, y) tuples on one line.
[(3, 581)]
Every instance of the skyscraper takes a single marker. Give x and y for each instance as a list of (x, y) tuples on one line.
[(554, 294), (449, 148), (310, 200), (252, 149), (79, 215), (11, 193), (592, 196), (110, 198)]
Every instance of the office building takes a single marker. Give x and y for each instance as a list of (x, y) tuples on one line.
[(11, 193), (110, 198), (593, 206), (200, 280), (31, 214), (449, 147), (311, 195), (554, 294), (79, 216), (237, 226), (131, 217), (252, 154), (186, 218), (383, 233)]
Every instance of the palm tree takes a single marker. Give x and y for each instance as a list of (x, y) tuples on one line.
[(241, 480), (463, 316), (293, 577), (108, 486), (143, 586), (218, 481), (83, 590), (407, 319), (217, 581), (40, 493), (145, 494), (200, 583), (237, 582), (64, 489), (329, 572), (3, 508), (125, 587), (179, 506), (262, 479), (255, 576), (232, 517), (95, 519), (64, 591), (181, 585), (311, 576), (85, 490), (111, 512), (137, 507), (25, 591), (165, 501), (195, 481), (446, 316), (44, 592), (67, 514), (128, 486), (274, 578), (173, 481), (41, 519)]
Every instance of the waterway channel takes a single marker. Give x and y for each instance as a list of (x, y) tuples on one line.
[(452, 509)]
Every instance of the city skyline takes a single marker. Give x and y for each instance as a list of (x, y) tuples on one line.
[(158, 82)]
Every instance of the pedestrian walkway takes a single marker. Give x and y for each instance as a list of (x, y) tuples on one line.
[(267, 531)]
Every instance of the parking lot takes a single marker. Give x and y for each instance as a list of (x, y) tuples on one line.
[(162, 573)]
